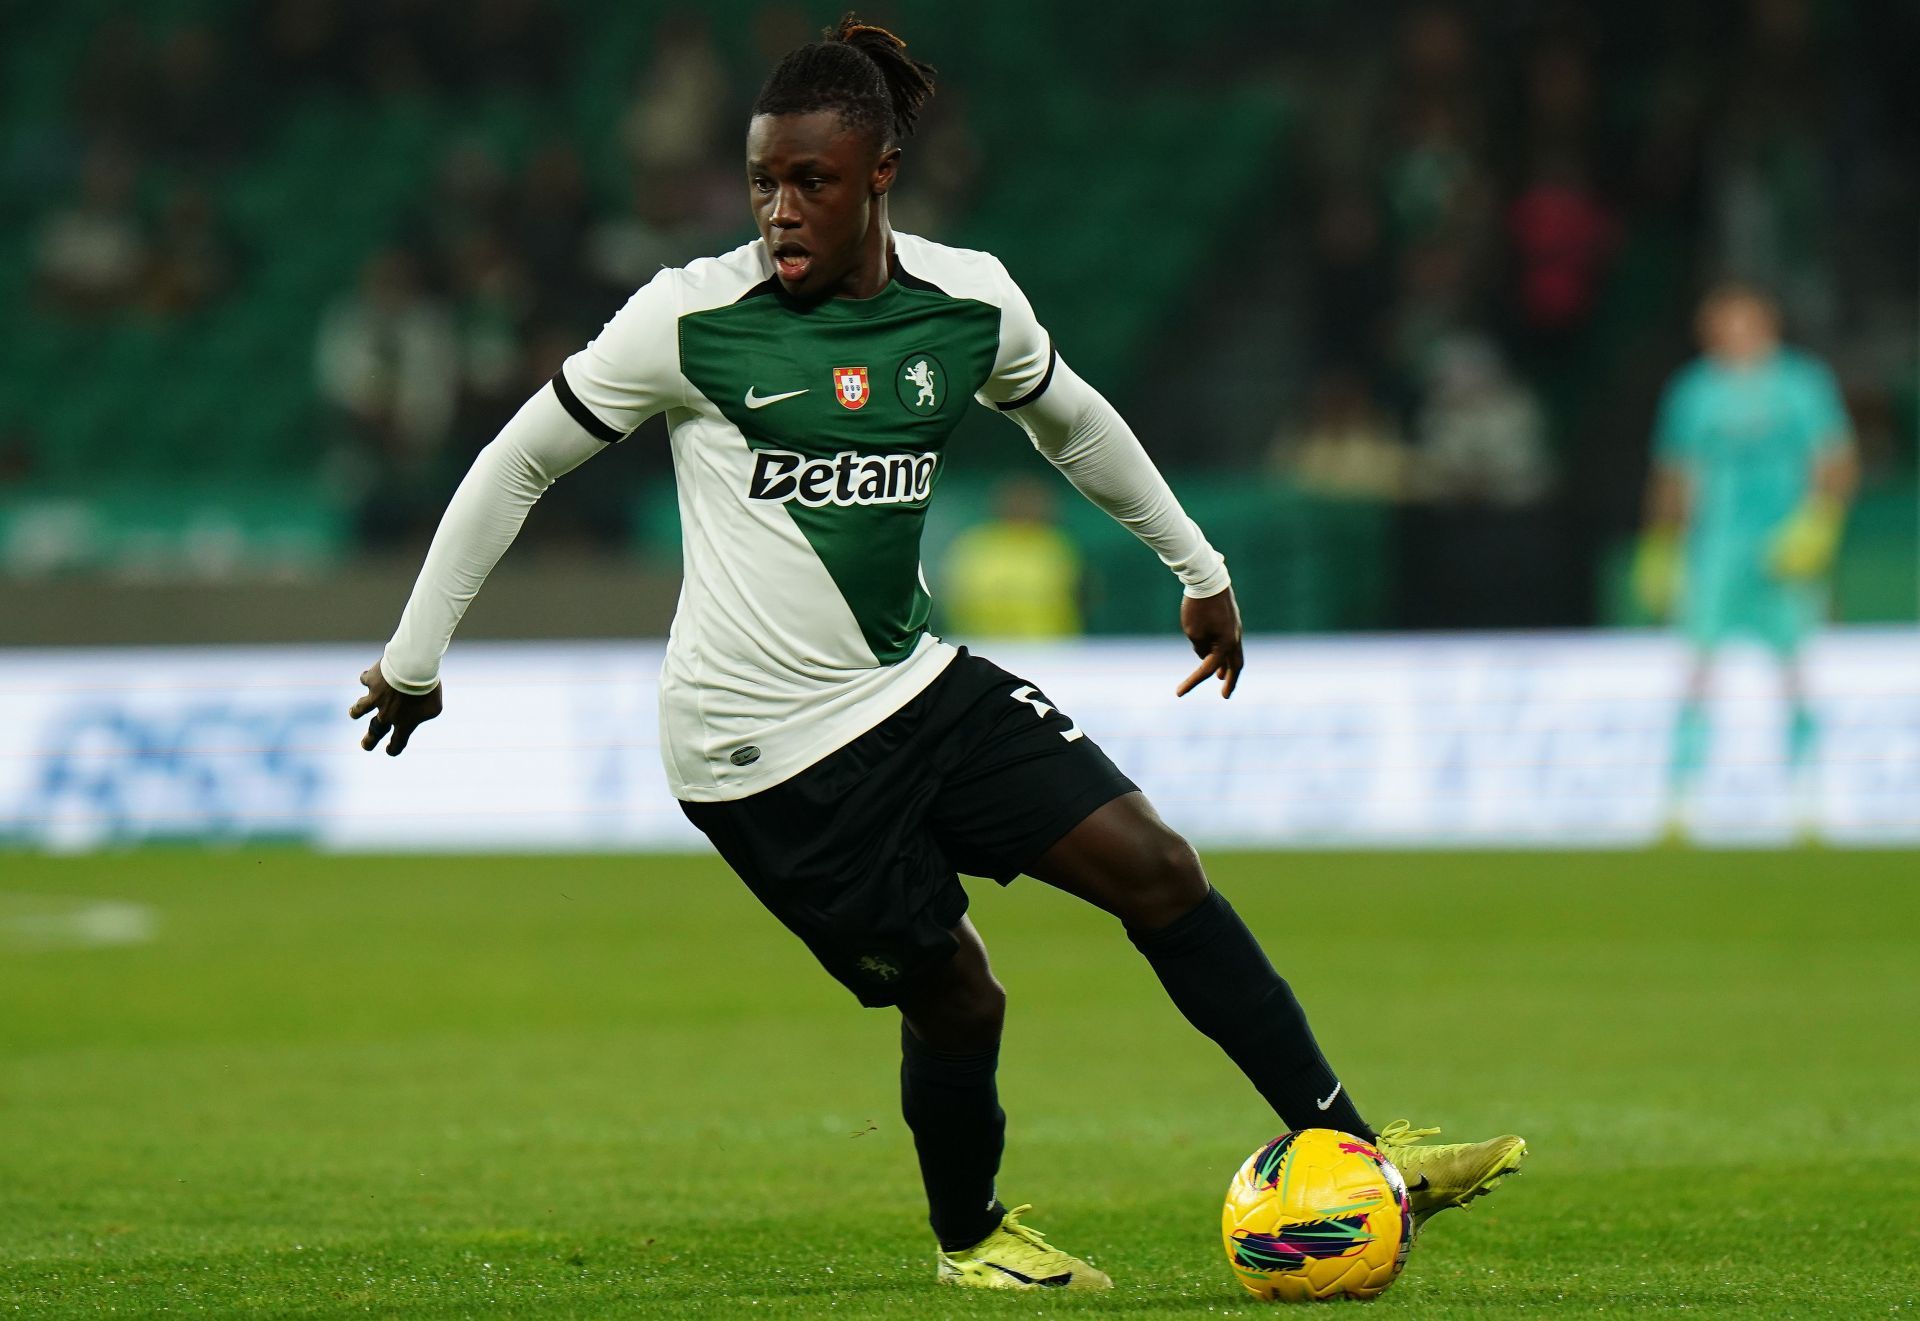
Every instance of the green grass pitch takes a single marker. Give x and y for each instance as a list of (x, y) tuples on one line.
[(600, 1087)]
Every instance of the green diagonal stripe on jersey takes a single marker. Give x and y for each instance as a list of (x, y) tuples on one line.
[(850, 451)]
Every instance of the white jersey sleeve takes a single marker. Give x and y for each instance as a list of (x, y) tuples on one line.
[(539, 443), (1085, 437), (1024, 366), (630, 371)]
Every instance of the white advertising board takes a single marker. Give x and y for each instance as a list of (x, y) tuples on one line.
[(1549, 740)]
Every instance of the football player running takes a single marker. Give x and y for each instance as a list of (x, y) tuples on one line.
[(844, 761)]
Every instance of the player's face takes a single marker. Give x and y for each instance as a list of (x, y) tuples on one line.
[(1738, 328), (816, 187)]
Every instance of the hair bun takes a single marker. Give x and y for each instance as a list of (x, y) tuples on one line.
[(909, 82), (852, 30)]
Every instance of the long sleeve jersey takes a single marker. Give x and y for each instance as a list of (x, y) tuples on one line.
[(807, 442)]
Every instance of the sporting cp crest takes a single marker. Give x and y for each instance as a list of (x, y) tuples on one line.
[(850, 386), (921, 382)]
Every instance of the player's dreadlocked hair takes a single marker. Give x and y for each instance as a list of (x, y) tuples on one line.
[(864, 72)]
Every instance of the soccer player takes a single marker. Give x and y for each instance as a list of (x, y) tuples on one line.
[(1753, 469), (843, 760)]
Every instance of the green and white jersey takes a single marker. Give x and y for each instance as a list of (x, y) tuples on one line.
[(807, 441)]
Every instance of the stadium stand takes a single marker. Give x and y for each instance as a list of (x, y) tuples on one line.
[(180, 431)]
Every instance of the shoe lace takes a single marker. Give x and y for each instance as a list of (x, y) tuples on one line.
[(1402, 1134), (1032, 1236)]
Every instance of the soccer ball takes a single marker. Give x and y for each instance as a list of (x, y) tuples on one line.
[(1317, 1214)]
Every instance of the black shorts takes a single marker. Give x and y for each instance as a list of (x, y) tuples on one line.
[(859, 853)]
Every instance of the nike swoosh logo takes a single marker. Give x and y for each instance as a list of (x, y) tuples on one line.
[(1330, 1096), (1050, 1282), (762, 400), (1424, 1184)]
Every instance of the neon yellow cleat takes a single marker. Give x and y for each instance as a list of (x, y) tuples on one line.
[(1016, 1257), (1448, 1174)]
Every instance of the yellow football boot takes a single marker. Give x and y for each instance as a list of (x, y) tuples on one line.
[(1448, 1174), (1016, 1257)]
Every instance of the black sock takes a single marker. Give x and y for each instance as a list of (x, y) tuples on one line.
[(1218, 977), (953, 1108)]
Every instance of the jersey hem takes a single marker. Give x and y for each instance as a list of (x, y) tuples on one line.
[(915, 675)]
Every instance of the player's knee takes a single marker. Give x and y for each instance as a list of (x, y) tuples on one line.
[(964, 1017), (1171, 884), (986, 1011)]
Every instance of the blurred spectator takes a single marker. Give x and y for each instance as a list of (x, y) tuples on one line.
[(1483, 549), (939, 183), (551, 216), (387, 363), (303, 43), (195, 260), (1432, 180), (1017, 575), (493, 297), (111, 86), (189, 115), (1349, 448), (1562, 173), (1557, 122), (1436, 303), (779, 27), (1772, 170), (1482, 435), (518, 44), (680, 103), (1436, 56), (402, 48), (1431, 170), (93, 252), (16, 456), (1352, 292), (1563, 237), (472, 194), (624, 251)]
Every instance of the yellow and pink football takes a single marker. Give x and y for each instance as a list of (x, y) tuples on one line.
[(1317, 1214)]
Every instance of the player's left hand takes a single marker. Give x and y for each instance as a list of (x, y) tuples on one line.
[(392, 710), (1212, 624), (1804, 546)]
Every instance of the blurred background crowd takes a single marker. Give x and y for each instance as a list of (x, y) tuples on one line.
[(1390, 288)]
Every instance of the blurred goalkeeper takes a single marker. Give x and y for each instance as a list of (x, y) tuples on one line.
[(1753, 468)]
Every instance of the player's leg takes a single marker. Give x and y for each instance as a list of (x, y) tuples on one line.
[(843, 855), (1803, 727), (1791, 623), (949, 1053), (1792, 611), (1692, 735), (1722, 579), (1803, 736), (1027, 792), (1125, 860)]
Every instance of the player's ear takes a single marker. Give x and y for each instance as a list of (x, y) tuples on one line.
[(884, 171)]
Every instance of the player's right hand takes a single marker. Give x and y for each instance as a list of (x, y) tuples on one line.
[(393, 711), (1656, 573)]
